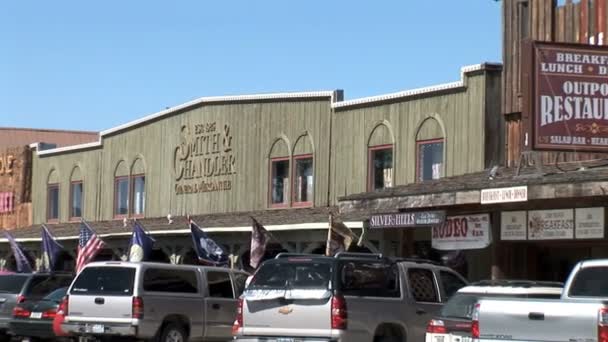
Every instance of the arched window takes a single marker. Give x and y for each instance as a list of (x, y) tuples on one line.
[(279, 174), (138, 190), (303, 172), (121, 190), (380, 158), (429, 151), (52, 197), (76, 192)]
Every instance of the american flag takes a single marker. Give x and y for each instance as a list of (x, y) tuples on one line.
[(88, 246)]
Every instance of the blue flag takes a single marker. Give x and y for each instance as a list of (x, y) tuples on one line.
[(50, 250), (208, 251), (141, 244), (23, 264)]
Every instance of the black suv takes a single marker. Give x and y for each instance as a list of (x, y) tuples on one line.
[(19, 288)]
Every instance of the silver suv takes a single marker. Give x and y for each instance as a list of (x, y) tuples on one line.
[(348, 298), (153, 301)]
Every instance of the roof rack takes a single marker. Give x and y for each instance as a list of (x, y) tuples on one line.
[(291, 255), (358, 255), (418, 261), (517, 282)]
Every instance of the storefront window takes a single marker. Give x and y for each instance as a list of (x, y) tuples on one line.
[(279, 192), (76, 200), (121, 196), (303, 181), (52, 213), (430, 160), (380, 167), (139, 195)]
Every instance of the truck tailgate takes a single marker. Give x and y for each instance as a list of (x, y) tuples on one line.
[(538, 320)]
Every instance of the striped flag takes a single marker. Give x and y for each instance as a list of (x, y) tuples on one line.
[(259, 240), (88, 246)]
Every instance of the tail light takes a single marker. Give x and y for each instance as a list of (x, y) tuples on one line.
[(20, 299), (49, 314), (338, 313), (475, 323), (436, 326), (63, 306), (238, 321), (137, 308), (602, 325), (21, 312)]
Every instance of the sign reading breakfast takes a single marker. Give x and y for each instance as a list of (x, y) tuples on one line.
[(204, 159), (570, 97)]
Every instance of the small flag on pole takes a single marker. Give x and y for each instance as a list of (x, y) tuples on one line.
[(207, 250), (259, 240), (339, 237), (50, 250), (141, 244), (89, 245), (21, 261)]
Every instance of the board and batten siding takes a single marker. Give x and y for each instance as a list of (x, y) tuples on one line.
[(466, 117), (254, 127)]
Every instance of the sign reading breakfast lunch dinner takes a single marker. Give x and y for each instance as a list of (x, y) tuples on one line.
[(204, 160), (570, 97)]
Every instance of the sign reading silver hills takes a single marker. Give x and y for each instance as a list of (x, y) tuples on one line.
[(203, 159)]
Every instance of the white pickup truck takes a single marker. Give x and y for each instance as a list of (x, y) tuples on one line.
[(581, 315)]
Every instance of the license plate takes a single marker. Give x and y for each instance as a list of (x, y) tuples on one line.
[(36, 315), (95, 328)]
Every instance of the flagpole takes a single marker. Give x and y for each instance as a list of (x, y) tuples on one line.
[(328, 241)]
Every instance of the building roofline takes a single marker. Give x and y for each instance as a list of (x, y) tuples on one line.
[(419, 91), (46, 130)]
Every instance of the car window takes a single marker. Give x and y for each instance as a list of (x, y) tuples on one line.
[(460, 306), (450, 283), (293, 274), (57, 295), (369, 279), (590, 282), (240, 279), (11, 283), (219, 284), (114, 281), (422, 285), (41, 286), (170, 280)]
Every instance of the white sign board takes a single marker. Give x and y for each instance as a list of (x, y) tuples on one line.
[(462, 232), (551, 224), (513, 225), (504, 195), (589, 223)]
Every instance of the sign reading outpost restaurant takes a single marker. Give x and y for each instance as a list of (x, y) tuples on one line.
[(566, 103), (204, 154)]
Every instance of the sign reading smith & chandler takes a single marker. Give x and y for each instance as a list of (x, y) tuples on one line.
[(568, 101)]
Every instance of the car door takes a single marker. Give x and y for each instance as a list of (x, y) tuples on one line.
[(424, 292), (450, 283), (220, 305)]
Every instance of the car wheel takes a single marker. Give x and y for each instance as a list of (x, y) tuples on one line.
[(173, 333)]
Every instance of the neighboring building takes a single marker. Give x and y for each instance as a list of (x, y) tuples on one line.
[(16, 168), (284, 159)]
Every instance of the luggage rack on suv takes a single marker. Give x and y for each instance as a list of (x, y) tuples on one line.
[(517, 283)]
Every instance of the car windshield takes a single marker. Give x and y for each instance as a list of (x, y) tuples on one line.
[(460, 306), (293, 275), (590, 282), (11, 283), (57, 295), (115, 281)]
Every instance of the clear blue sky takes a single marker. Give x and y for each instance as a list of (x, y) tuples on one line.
[(94, 65)]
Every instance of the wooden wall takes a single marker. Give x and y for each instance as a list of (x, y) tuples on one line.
[(255, 126), (464, 117), (584, 21)]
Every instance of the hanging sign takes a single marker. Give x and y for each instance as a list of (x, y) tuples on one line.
[(551, 224), (589, 223), (504, 195), (462, 232), (405, 220), (513, 225)]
